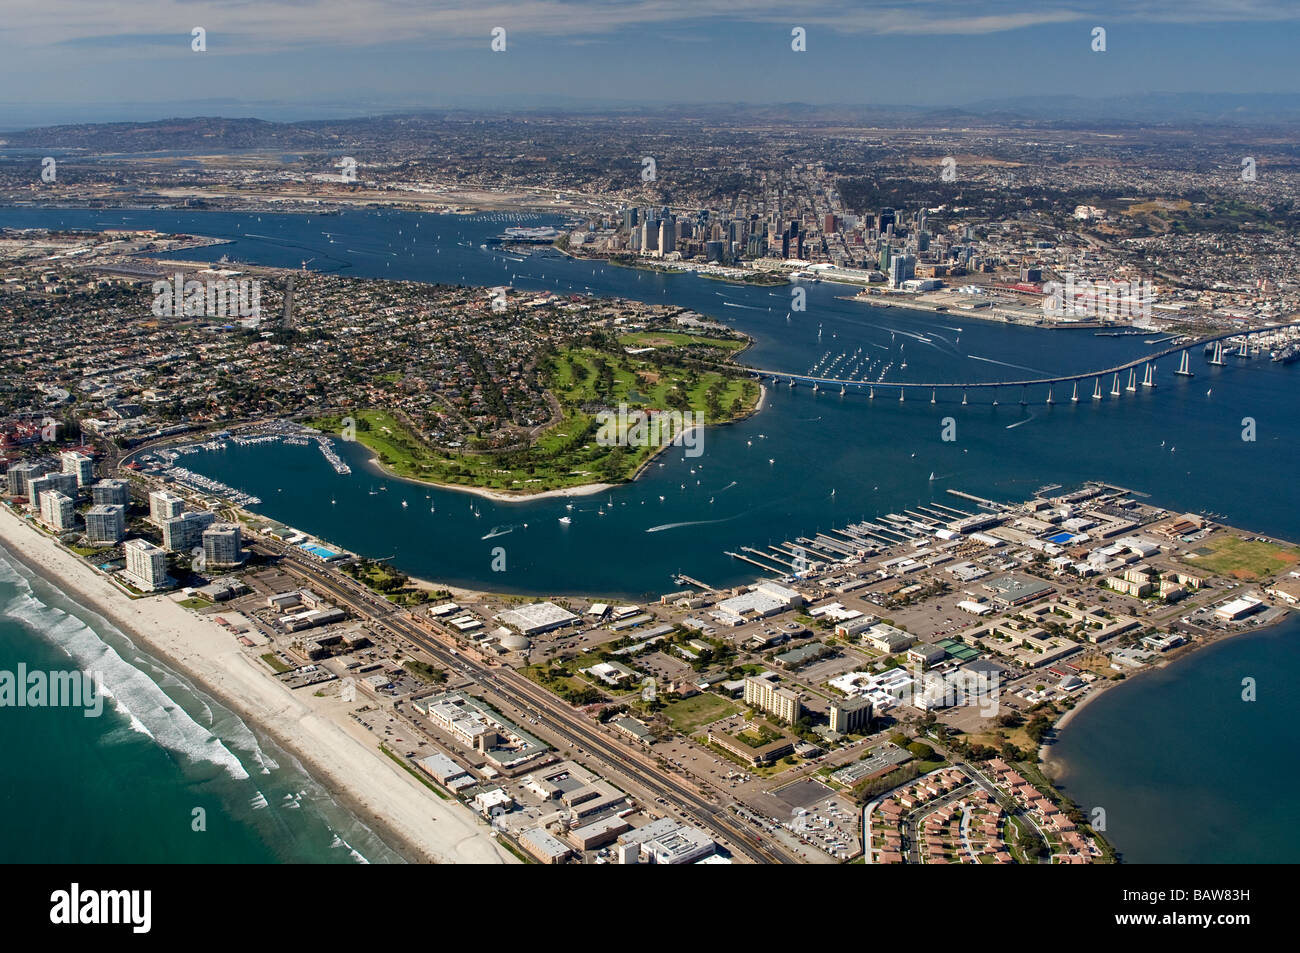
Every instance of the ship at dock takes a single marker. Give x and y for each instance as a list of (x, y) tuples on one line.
[(1288, 354)]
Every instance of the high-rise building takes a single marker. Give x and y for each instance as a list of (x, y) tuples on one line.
[(106, 523), (163, 506), (20, 475), (184, 532), (111, 492), (221, 545), (146, 564), (901, 268), (828, 223), (784, 703), (850, 714), (667, 236), (57, 511), (65, 483), (649, 237), (80, 466), (884, 219)]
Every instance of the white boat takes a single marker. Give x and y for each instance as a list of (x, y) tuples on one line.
[(565, 520)]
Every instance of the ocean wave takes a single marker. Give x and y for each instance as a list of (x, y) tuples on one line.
[(135, 696)]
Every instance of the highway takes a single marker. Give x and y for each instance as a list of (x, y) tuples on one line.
[(553, 713)]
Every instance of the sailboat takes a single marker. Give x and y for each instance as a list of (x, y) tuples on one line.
[(565, 520)]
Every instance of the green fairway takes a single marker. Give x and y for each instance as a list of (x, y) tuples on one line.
[(670, 339), (567, 453)]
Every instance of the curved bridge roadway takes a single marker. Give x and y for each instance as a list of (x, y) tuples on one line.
[(1148, 360)]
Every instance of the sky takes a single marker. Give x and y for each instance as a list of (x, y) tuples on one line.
[(99, 60)]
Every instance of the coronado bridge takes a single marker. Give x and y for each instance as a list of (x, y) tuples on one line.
[(1122, 376)]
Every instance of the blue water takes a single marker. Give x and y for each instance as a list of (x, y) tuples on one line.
[(124, 786), (1186, 770), (807, 462)]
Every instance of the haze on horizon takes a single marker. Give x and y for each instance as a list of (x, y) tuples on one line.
[(85, 61)]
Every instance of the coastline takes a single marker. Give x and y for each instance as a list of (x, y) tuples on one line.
[(317, 731), (1054, 769), (497, 496), (568, 492)]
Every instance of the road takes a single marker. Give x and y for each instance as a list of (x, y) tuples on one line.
[(553, 714)]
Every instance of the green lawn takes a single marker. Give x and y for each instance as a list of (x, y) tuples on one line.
[(566, 454), (667, 339), (691, 714), (1244, 559), (270, 659)]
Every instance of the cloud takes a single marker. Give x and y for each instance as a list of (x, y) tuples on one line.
[(258, 25)]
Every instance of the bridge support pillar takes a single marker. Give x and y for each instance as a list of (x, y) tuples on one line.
[(871, 393), (1184, 363), (963, 398), (1217, 359), (1074, 397), (900, 395), (932, 395), (1024, 391), (1132, 380), (1049, 396)]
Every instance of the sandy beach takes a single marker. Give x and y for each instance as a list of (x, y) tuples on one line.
[(340, 754)]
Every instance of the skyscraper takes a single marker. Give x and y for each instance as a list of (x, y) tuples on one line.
[(79, 465), (106, 523), (667, 236), (182, 533), (111, 492), (146, 564), (163, 506), (57, 510), (65, 483), (20, 476), (221, 545)]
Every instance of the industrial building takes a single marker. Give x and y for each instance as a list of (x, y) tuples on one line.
[(665, 841), (537, 618)]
